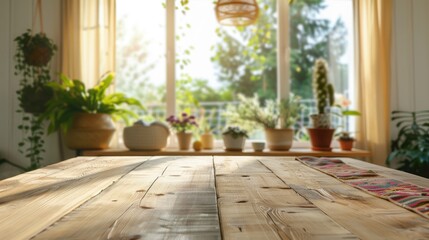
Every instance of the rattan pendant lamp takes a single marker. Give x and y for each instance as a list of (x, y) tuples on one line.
[(237, 12)]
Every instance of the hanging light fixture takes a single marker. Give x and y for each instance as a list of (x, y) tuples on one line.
[(236, 12)]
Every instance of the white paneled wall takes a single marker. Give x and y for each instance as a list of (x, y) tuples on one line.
[(410, 60), (15, 18)]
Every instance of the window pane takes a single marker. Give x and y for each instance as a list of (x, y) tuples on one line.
[(140, 54), (215, 63), (321, 29)]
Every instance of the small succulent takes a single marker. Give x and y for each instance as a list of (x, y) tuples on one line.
[(235, 132)]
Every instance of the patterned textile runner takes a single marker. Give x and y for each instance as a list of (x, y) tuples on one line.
[(407, 195)]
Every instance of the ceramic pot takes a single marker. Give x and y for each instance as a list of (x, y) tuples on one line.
[(321, 138), (146, 138), (184, 140), (346, 144), (207, 140), (233, 144), (279, 139), (90, 131)]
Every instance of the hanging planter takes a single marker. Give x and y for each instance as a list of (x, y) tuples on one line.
[(37, 49), (34, 97), (33, 54)]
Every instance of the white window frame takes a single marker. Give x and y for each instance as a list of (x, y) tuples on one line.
[(283, 78), (283, 57)]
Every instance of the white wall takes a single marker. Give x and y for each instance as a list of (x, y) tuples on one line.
[(15, 18), (410, 60)]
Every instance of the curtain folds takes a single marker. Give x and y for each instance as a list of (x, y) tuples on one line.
[(88, 41), (374, 24)]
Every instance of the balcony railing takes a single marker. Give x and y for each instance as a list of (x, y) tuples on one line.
[(214, 115)]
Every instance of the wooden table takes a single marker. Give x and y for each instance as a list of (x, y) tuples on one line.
[(199, 198)]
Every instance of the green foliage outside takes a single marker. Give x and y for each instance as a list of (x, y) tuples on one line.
[(245, 58)]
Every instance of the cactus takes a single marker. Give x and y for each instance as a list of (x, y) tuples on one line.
[(323, 90)]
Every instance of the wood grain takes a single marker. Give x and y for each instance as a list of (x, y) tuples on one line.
[(30, 208), (41, 172), (366, 216), (162, 198), (199, 197), (255, 204)]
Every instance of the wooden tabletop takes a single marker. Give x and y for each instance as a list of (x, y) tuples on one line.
[(199, 197), (221, 152)]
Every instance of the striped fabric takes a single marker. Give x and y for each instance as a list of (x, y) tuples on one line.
[(407, 195)]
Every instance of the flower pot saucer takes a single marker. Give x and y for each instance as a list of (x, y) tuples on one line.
[(322, 149)]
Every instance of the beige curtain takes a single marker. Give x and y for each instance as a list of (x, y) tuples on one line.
[(88, 28), (88, 43), (374, 20)]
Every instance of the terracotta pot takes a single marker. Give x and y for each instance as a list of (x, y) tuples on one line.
[(321, 138), (346, 144), (34, 97), (38, 55), (207, 140), (90, 131), (279, 139), (184, 140), (233, 144)]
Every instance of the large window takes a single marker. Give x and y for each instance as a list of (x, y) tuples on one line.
[(213, 63)]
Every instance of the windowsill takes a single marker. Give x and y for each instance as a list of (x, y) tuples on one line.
[(221, 152)]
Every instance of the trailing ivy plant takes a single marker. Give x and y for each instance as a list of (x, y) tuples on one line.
[(411, 147), (33, 54)]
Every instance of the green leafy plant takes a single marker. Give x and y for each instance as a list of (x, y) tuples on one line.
[(282, 114), (411, 146), (71, 96), (33, 54), (342, 104), (235, 132)]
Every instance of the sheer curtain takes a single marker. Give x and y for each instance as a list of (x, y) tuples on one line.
[(374, 20), (88, 40)]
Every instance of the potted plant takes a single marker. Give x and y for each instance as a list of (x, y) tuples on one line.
[(207, 138), (86, 115), (182, 125), (277, 118), (33, 54), (321, 132), (234, 138), (411, 147), (345, 139)]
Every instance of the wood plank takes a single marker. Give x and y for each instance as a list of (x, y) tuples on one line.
[(255, 204), (33, 206), (41, 172), (220, 152), (366, 216), (164, 198), (91, 220)]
